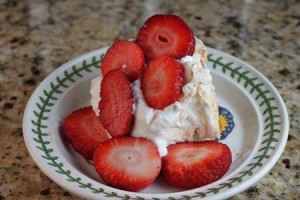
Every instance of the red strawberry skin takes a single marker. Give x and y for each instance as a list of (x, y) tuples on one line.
[(84, 131), (166, 35), (127, 163), (125, 55), (162, 81), (194, 164), (116, 103)]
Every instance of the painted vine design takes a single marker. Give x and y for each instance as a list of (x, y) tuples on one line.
[(46, 101)]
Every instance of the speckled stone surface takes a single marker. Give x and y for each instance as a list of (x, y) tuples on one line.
[(38, 36)]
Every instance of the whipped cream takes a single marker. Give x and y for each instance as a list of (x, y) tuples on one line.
[(95, 93), (194, 117)]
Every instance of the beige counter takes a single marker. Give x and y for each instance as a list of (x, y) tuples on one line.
[(36, 37)]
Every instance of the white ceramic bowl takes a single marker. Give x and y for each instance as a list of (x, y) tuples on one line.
[(256, 141)]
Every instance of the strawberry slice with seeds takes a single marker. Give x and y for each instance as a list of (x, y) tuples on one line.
[(166, 35), (84, 131), (116, 103), (194, 164), (162, 81), (127, 163), (125, 55)]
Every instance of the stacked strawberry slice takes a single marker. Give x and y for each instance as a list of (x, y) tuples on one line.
[(132, 163)]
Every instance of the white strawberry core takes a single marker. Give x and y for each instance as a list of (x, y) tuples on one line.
[(128, 156), (123, 66), (164, 40), (133, 160), (191, 155)]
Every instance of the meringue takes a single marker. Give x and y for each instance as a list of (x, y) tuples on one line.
[(194, 117)]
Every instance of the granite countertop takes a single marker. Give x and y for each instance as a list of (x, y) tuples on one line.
[(36, 37)]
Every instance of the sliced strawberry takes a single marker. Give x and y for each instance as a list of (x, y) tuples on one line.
[(84, 131), (116, 103), (162, 82), (194, 164), (127, 163), (126, 55), (166, 35)]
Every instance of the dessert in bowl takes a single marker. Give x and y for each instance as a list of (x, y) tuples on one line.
[(79, 176), (155, 90)]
